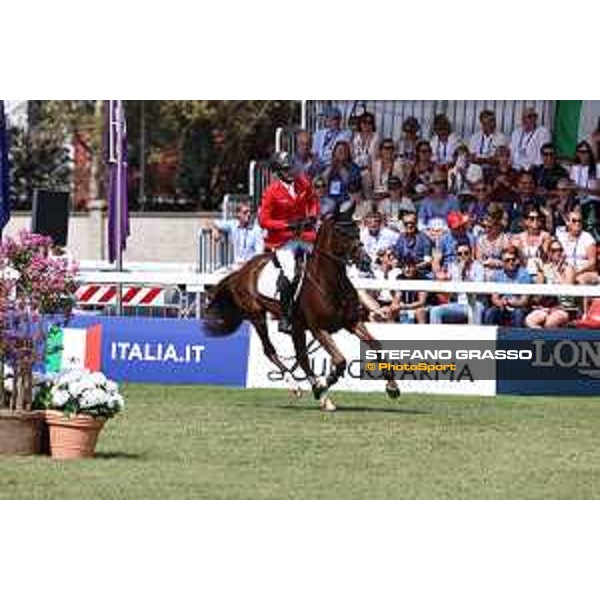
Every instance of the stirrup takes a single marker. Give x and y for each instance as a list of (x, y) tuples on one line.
[(285, 326)]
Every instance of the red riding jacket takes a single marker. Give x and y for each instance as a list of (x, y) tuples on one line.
[(278, 209)]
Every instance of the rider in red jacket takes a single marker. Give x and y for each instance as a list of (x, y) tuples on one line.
[(288, 212)]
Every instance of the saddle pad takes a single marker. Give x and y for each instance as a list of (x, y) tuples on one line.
[(267, 281)]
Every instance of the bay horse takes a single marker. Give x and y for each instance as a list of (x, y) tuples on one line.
[(326, 302)]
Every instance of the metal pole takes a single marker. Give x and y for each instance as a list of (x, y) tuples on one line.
[(142, 199), (119, 203)]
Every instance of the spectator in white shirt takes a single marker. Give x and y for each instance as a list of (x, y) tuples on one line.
[(245, 236), (325, 139), (526, 141), (580, 248), (375, 236), (444, 142), (483, 144)]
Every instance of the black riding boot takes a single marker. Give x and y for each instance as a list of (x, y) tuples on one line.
[(286, 297)]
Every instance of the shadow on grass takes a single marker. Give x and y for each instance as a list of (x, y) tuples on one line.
[(120, 455), (358, 409)]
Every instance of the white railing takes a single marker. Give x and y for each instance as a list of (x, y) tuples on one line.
[(200, 280), (185, 278)]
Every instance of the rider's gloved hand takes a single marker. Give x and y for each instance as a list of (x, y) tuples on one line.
[(302, 224)]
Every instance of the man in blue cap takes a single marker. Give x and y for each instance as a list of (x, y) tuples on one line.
[(326, 139)]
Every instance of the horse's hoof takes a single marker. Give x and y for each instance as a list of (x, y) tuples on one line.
[(295, 393), (319, 388), (393, 392), (327, 405)]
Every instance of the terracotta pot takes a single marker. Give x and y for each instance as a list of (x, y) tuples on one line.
[(20, 432), (73, 437)]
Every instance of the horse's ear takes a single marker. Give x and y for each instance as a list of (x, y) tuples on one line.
[(346, 210)]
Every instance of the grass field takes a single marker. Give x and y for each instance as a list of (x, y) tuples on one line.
[(193, 442)]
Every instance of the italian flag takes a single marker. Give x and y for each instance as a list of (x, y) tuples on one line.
[(574, 120), (73, 348)]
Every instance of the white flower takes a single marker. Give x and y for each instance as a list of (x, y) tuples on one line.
[(59, 398), (97, 378), (67, 377), (119, 400), (111, 387)]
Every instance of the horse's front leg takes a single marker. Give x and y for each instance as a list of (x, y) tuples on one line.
[(338, 364), (391, 387), (299, 340)]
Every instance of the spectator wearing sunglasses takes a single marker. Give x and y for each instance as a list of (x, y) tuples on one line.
[(342, 176), (492, 242), (325, 204), (396, 205), (463, 173), (526, 141), (444, 141), (407, 144), (419, 176), (435, 208), (365, 142), (579, 248), (531, 241), (375, 236), (245, 235), (584, 172), (414, 246), (550, 311), (560, 204), (524, 199), (547, 175), (508, 309), (383, 169), (325, 139), (464, 269), (447, 248), (476, 207), (409, 306)]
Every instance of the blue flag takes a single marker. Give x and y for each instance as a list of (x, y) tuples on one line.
[(116, 159), (4, 171)]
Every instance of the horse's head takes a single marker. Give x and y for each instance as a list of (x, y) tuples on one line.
[(339, 238)]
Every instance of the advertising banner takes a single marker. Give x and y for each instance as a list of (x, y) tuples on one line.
[(263, 374), (564, 362), (153, 350)]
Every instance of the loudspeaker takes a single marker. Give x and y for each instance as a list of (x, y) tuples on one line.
[(50, 215)]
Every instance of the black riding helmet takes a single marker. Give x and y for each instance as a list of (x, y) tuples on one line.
[(282, 164)]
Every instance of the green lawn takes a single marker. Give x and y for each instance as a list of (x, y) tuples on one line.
[(198, 442)]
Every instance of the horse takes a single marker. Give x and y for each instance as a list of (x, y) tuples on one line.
[(326, 302)]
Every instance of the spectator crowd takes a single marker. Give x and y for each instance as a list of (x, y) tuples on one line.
[(498, 207)]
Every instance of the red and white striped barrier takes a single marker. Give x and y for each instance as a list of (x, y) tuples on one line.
[(106, 295)]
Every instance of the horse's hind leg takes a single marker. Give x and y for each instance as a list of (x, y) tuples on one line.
[(360, 329), (260, 324)]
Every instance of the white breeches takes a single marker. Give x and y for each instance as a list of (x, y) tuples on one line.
[(286, 255)]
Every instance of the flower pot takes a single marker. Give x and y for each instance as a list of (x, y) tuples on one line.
[(20, 432), (72, 437)]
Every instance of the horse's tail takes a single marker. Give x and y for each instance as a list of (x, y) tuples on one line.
[(223, 316)]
